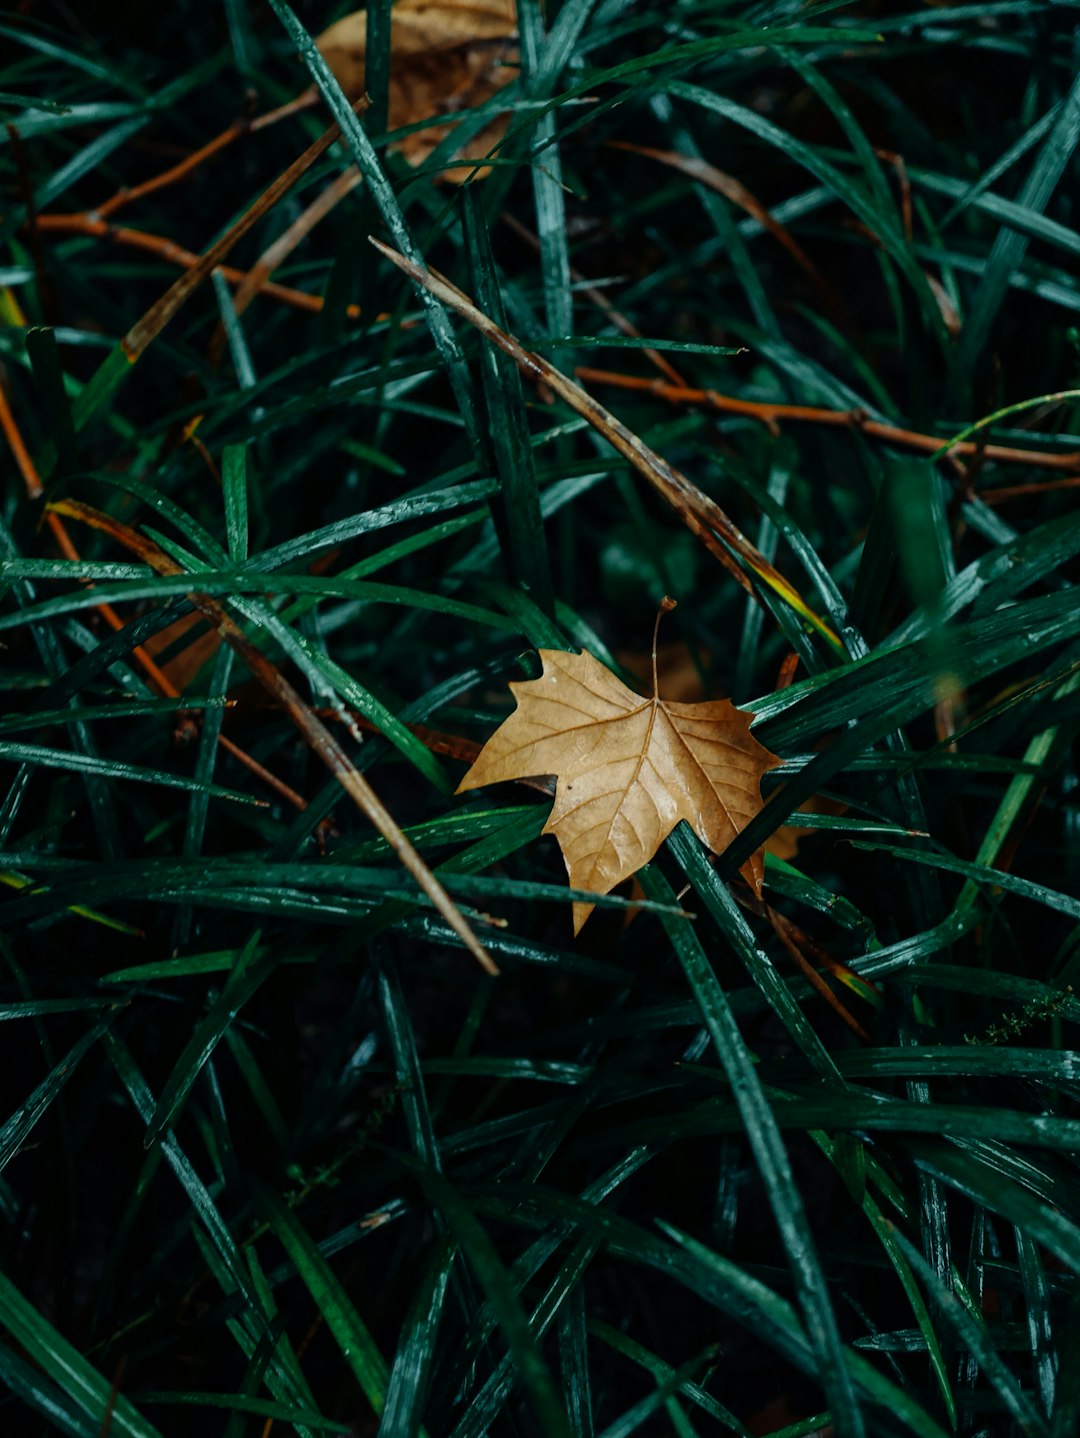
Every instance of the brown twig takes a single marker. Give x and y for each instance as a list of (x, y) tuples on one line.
[(186, 167), (97, 224), (134, 344), (174, 254), (34, 490), (314, 732), (1021, 491), (272, 781), (735, 191), (772, 415), (174, 174), (907, 214), (258, 277), (601, 301), (794, 940), (21, 454), (785, 675), (436, 741), (156, 675), (145, 330), (697, 510)]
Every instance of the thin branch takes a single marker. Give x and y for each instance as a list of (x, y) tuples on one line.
[(174, 254), (697, 510), (1022, 491), (789, 935), (257, 278), (34, 490), (735, 191), (154, 673), (315, 733), (187, 167), (600, 300), (772, 415), (145, 330), (174, 174)]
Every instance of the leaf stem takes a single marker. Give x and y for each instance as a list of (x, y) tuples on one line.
[(667, 604)]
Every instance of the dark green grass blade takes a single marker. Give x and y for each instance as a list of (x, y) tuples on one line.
[(971, 1329), (17, 1128), (205, 763), (663, 1372), (886, 1235), (377, 64), (239, 1403), (574, 1364), (246, 976), (234, 486), (1009, 247), (42, 756), (721, 1283), (1040, 1323), (547, 180), (363, 153), (883, 1391), (44, 356), (634, 1418), (334, 476), (985, 1174), (86, 1389), (203, 1207), (869, 211), (491, 1397), (1066, 1411), (501, 1292), (410, 1374), (333, 1303), (518, 521), (64, 1415), (717, 899), (407, 1067), (257, 1333), (772, 1161)]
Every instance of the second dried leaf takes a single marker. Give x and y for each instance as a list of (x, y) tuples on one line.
[(445, 58)]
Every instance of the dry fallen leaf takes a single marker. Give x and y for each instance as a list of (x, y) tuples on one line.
[(627, 768), (445, 57)]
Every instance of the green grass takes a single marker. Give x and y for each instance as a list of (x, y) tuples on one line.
[(276, 1155)]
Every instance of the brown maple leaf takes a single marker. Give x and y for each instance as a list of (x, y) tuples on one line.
[(627, 768), (445, 56)]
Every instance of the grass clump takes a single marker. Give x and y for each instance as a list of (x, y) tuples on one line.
[(277, 1154)]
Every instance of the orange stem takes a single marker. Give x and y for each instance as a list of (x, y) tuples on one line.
[(34, 489), (187, 167), (153, 672), (175, 254), (772, 414), (1018, 491), (598, 298), (173, 175)]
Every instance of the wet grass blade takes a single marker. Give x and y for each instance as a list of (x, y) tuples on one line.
[(519, 522), (502, 1294), (1010, 245), (333, 1303), (17, 1128), (772, 1161), (72, 1374)]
